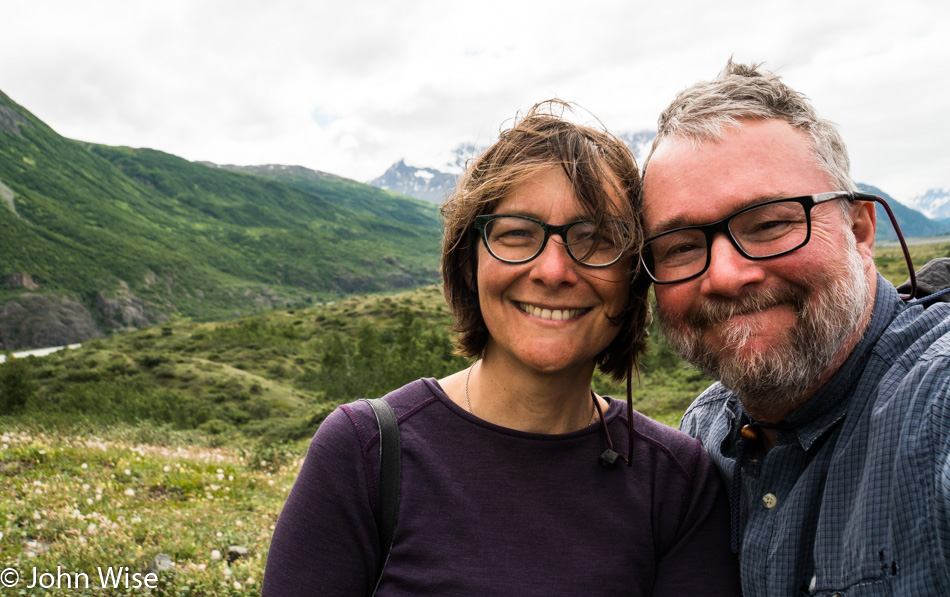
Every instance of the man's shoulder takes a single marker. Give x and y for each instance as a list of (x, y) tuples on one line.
[(917, 337), (912, 370), (715, 403)]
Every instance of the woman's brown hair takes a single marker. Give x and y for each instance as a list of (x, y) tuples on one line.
[(598, 165)]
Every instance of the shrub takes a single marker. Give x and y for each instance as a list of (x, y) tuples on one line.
[(17, 384), (215, 427), (150, 361)]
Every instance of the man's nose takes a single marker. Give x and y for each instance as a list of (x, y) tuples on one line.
[(729, 270)]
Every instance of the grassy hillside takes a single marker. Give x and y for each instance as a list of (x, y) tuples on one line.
[(348, 193), (126, 237)]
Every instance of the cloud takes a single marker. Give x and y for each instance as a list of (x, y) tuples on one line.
[(352, 87)]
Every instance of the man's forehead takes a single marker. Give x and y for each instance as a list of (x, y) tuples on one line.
[(689, 182)]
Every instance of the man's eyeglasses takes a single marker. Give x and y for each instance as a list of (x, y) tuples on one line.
[(519, 239), (761, 231)]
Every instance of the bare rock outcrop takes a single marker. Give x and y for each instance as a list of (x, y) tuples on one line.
[(10, 120), (20, 281), (33, 321)]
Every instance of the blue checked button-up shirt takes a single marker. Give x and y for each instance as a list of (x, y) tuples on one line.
[(855, 500)]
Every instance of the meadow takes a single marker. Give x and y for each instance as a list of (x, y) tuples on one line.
[(170, 450)]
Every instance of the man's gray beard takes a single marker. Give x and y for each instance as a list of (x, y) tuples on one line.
[(774, 381)]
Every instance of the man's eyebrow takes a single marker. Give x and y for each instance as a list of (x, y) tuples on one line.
[(688, 220)]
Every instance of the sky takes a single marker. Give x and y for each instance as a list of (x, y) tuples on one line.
[(351, 87)]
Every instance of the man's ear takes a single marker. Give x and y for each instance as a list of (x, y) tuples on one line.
[(864, 226)]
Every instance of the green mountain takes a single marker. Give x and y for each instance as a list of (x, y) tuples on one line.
[(913, 223), (95, 239)]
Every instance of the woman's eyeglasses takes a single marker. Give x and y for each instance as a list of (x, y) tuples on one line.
[(519, 239)]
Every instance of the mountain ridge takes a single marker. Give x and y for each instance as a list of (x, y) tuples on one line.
[(96, 239)]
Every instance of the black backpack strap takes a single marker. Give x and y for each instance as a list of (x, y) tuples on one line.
[(390, 479)]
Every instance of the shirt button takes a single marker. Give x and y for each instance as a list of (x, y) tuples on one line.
[(769, 500)]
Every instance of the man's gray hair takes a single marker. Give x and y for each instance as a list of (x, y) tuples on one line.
[(706, 110)]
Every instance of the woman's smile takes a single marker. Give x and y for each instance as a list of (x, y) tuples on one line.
[(552, 313)]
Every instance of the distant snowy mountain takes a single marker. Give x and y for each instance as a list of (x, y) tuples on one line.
[(913, 223), (427, 184), (935, 204), (435, 183)]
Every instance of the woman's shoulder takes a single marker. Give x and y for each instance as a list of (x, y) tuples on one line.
[(404, 401), (666, 443)]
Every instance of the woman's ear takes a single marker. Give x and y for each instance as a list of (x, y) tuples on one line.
[(470, 267), (469, 280)]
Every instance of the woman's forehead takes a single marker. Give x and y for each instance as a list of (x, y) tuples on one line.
[(550, 192)]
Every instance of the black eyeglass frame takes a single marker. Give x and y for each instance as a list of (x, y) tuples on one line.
[(709, 230), (482, 221)]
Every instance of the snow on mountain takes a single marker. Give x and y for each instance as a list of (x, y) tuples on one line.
[(427, 184), (934, 204), (434, 183)]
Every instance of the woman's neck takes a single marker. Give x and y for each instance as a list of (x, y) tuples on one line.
[(512, 395)]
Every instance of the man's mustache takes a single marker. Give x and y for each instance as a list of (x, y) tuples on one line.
[(713, 311)]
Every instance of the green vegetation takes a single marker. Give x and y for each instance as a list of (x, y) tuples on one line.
[(137, 236), (78, 502), (890, 259)]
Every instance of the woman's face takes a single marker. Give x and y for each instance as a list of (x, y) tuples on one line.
[(520, 302)]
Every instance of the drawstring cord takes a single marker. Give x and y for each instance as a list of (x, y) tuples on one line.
[(609, 457)]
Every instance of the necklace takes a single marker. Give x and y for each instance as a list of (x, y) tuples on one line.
[(468, 402)]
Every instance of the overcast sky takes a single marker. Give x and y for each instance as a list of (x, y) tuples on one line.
[(351, 86)]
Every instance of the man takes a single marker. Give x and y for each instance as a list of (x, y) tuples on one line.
[(831, 418)]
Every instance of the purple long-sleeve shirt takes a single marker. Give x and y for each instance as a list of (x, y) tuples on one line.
[(486, 510)]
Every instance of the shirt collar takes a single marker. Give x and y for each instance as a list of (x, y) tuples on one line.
[(829, 404)]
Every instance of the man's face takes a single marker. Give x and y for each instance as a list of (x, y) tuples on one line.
[(771, 330)]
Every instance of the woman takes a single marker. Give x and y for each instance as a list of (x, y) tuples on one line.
[(508, 486)]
